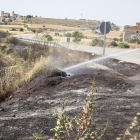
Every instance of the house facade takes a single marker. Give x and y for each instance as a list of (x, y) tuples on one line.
[(131, 32)]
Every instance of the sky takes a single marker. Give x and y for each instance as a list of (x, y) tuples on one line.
[(120, 12)]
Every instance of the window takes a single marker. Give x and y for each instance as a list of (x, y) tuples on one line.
[(137, 31)]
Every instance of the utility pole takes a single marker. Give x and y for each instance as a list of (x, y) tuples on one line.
[(81, 16), (104, 38)]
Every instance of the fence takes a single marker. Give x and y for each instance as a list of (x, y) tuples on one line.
[(40, 42)]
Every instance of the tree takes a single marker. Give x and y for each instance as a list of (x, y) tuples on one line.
[(10, 20), (5, 23), (93, 28), (113, 43), (43, 26), (77, 36), (21, 29)]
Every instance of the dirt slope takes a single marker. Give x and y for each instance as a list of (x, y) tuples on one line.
[(31, 108)]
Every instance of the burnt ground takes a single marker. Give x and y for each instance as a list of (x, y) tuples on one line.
[(31, 109)]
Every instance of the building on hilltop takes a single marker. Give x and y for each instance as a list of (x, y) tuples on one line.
[(15, 15), (131, 32), (5, 15)]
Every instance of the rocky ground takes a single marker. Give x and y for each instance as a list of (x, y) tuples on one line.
[(31, 109)]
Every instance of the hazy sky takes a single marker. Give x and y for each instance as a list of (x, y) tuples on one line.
[(120, 12)]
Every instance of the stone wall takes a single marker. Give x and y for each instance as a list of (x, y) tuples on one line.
[(128, 35), (5, 14)]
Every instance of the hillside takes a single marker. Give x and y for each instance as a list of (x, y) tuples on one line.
[(65, 22)]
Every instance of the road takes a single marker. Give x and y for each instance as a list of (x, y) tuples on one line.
[(133, 57)]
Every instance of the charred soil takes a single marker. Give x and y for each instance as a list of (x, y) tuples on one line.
[(31, 109)]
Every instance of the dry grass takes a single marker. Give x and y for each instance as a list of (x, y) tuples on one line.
[(59, 27), (29, 63), (42, 65), (111, 35), (15, 32), (6, 87), (12, 26), (88, 42), (65, 22)]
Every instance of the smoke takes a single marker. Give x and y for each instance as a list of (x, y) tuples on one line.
[(81, 65)]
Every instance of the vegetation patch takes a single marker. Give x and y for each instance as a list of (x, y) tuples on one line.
[(49, 37), (124, 45), (77, 36), (39, 31), (97, 42), (114, 44)]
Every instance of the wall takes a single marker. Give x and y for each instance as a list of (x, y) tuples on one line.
[(128, 35)]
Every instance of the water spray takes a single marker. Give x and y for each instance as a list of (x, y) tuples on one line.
[(97, 59)]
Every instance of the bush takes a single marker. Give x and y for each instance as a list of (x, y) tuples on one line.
[(97, 42), (121, 35), (39, 31), (48, 37), (33, 30), (135, 40), (93, 28), (121, 39), (138, 42), (13, 29), (68, 35), (77, 36), (26, 26), (10, 20), (116, 28), (79, 127), (56, 34), (5, 23), (124, 45), (113, 43), (21, 29), (12, 40), (2, 48), (116, 39)]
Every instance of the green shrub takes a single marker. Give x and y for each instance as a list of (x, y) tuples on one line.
[(48, 37), (10, 20), (97, 42), (79, 127), (2, 48), (138, 42), (121, 35), (5, 23), (29, 29), (68, 35), (93, 28), (39, 31), (33, 30), (56, 34), (121, 39), (26, 26), (12, 40), (116, 28), (13, 29), (135, 40), (124, 45), (77, 36), (116, 39), (21, 29), (113, 43)]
